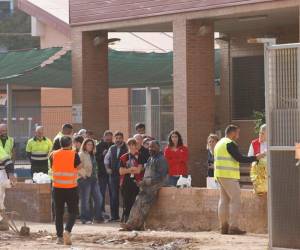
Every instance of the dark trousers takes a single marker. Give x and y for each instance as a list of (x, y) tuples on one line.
[(129, 192), (39, 166), (103, 183), (113, 188), (70, 197)]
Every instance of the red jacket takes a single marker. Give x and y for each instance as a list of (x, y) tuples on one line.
[(177, 160), (256, 146)]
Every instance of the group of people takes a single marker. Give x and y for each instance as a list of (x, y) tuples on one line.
[(82, 169), (136, 169)]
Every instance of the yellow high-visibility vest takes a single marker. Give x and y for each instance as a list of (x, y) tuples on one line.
[(9, 145), (5, 158), (39, 149), (225, 165)]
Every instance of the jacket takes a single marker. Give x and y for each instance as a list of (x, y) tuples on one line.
[(87, 165), (177, 160)]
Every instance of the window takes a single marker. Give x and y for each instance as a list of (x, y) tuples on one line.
[(5, 9), (162, 119), (248, 88)]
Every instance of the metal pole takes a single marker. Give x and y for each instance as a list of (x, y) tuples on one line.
[(9, 108), (148, 111)]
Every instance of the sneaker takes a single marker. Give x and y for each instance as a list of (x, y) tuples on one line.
[(224, 228), (89, 222), (67, 238), (60, 241), (236, 231)]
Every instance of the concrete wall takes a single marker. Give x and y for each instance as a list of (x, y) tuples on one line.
[(53, 38), (195, 209)]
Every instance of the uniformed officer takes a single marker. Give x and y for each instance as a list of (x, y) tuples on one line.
[(38, 149)]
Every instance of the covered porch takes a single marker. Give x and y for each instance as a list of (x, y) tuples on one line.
[(201, 106)]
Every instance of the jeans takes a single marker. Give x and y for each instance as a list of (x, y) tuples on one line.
[(103, 183), (88, 188), (172, 180), (113, 188), (62, 196)]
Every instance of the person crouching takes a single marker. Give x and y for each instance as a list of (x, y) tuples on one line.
[(65, 163)]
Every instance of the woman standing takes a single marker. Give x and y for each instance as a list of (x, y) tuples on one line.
[(211, 143), (130, 176), (177, 156), (88, 184)]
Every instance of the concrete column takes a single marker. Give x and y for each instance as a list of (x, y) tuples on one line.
[(90, 79), (194, 104)]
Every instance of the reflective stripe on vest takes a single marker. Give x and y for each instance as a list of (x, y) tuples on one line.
[(64, 172), (39, 156), (225, 165)]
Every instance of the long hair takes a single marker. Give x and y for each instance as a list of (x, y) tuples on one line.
[(180, 142), (83, 146)]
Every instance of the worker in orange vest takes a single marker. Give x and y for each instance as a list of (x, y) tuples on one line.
[(65, 164)]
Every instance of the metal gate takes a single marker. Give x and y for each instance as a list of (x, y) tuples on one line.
[(282, 72)]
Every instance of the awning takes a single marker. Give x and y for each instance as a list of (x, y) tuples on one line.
[(126, 69), (16, 63)]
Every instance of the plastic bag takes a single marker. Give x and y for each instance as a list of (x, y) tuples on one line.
[(259, 176), (184, 182)]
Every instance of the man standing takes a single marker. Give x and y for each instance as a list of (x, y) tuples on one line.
[(112, 165), (156, 171), (6, 179), (101, 150), (143, 152), (7, 142), (67, 130), (37, 150), (227, 172), (65, 164)]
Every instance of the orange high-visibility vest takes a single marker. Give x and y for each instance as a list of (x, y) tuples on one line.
[(63, 169)]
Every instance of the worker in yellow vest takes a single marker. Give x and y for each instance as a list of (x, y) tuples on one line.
[(67, 129), (65, 164), (6, 179), (7, 142), (227, 173), (38, 149)]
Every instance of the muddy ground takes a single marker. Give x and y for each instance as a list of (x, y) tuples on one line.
[(107, 236)]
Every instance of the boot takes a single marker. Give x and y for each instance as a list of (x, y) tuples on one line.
[(224, 228), (236, 231)]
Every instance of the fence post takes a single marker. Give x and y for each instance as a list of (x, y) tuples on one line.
[(9, 108)]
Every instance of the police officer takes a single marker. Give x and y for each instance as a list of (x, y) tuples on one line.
[(7, 142), (227, 172), (37, 150), (65, 164)]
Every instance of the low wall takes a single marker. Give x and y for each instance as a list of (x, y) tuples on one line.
[(31, 201), (195, 209)]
